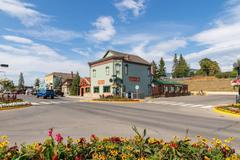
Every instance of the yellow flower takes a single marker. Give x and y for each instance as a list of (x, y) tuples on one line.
[(100, 147), (114, 152), (129, 148), (206, 158), (228, 140), (124, 156), (152, 140)]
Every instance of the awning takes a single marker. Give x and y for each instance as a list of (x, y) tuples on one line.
[(165, 82)]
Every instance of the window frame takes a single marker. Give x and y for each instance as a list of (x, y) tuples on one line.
[(94, 73), (106, 91), (96, 87), (107, 69)]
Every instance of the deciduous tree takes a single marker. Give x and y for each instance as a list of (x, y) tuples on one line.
[(74, 89)]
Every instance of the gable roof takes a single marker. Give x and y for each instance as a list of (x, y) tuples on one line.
[(63, 75), (124, 56)]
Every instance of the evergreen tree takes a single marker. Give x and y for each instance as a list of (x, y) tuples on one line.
[(57, 82), (37, 83), (21, 82), (162, 68), (74, 89), (175, 63), (182, 69), (154, 70)]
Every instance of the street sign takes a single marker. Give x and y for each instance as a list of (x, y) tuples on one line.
[(137, 87)]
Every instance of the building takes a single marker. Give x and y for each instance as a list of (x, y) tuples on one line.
[(85, 87), (168, 88), (120, 74), (59, 80)]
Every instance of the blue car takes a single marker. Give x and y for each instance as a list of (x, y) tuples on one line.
[(46, 94)]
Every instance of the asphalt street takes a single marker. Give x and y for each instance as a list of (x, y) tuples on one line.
[(73, 118)]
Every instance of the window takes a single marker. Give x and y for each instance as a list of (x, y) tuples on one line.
[(107, 71), (106, 89), (126, 69), (149, 72), (96, 89), (87, 90), (117, 67), (94, 73)]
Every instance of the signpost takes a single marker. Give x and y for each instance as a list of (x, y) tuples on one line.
[(137, 89)]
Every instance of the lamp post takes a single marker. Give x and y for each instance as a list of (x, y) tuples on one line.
[(237, 66)]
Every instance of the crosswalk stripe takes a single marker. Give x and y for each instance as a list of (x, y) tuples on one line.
[(45, 102), (34, 103), (181, 104)]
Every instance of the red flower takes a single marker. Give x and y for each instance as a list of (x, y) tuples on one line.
[(93, 137), (82, 140), (173, 145), (58, 138), (55, 157), (50, 131)]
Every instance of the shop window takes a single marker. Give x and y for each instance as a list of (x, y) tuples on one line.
[(106, 89), (126, 69), (94, 73), (117, 67), (149, 72), (107, 71), (96, 89)]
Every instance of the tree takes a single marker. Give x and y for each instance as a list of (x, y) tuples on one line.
[(57, 83), (37, 83), (182, 69), (236, 68), (209, 67), (162, 68), (7, 85), (175, 63), (74, 89), (21, 82), (154, 70)]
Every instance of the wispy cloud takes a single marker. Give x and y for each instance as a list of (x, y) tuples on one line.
[(17, 39), (222, 39), (85, 52), (125, 6), (25, 12), (105, 29), (34, 57)]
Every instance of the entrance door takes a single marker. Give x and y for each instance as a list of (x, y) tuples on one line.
[(82, 92)]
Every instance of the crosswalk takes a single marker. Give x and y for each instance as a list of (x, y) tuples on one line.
[(51, 102), (181, 104)]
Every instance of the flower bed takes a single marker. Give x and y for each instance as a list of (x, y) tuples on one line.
[(139, 147), (116, 98), (16, 104), (233, 109)]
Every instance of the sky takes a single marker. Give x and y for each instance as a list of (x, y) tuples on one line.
[(39, 37)]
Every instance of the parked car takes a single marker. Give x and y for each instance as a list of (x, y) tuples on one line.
[(45, 94)]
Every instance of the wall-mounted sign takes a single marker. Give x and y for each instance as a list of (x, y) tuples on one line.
[(101, 82), (134, 79)]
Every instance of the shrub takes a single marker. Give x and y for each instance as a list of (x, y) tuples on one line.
[(139, 147)]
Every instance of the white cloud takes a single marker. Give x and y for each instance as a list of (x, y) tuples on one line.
[(31, 58), (222, 40), (104, 29), (134, 6), (23, 11), (17, 39)]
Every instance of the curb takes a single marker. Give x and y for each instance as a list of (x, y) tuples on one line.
[(15, 107), (92, 101), (226, 113)]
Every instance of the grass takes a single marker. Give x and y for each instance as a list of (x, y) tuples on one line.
[(208, 84)]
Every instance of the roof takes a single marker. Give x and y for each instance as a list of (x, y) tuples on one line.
[(124, 56), (164, 82), (86, 79), (63, 75)]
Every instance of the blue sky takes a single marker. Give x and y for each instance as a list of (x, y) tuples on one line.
[(39, 37)]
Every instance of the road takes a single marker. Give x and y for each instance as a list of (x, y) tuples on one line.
[(73, 118)]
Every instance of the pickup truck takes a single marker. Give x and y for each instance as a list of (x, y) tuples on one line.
[(45, 94)]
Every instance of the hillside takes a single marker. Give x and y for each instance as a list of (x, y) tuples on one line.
[(208, 84)]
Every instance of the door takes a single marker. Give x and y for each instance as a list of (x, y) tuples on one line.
[(82, 92)]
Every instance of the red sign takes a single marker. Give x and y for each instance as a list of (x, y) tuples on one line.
[(134, 79), (101, 82)]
